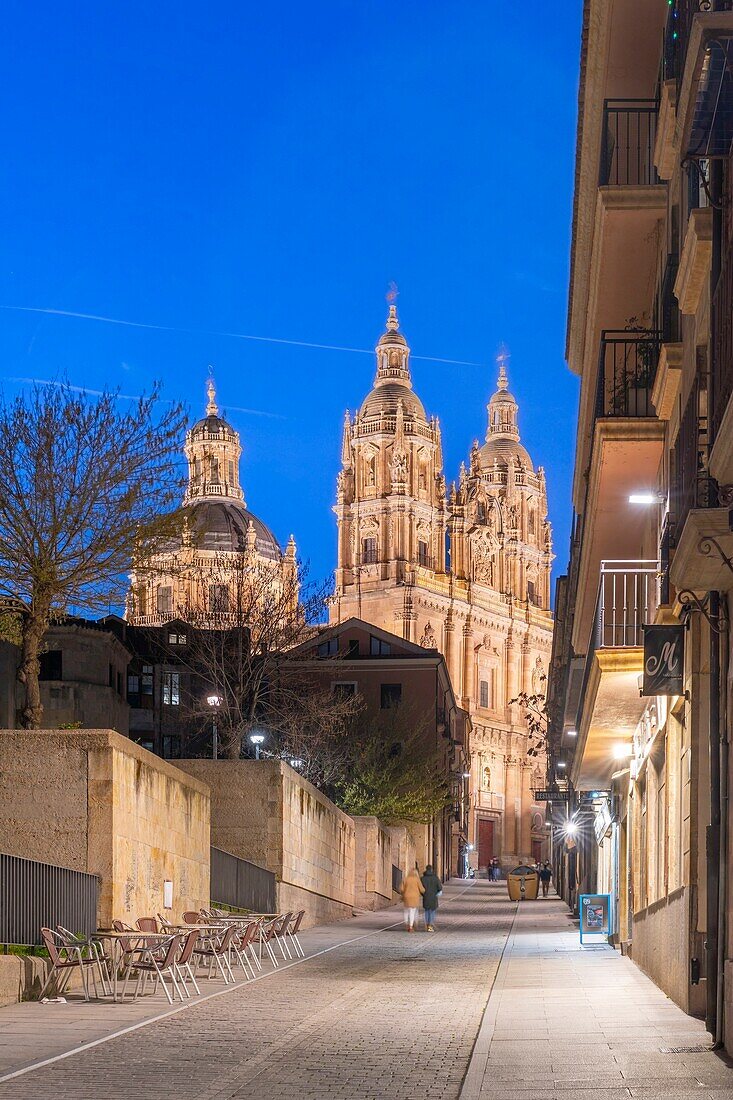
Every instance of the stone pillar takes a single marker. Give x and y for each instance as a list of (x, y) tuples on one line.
[(526, 812), (512, 793), (448, 644), (525, 682), (512, 675), (467, 663)]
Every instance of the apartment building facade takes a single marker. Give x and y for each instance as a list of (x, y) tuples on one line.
[(639, 762)]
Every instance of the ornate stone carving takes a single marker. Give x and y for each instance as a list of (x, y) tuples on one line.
[(428, 640)]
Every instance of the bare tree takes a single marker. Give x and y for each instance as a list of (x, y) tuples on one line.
[(534, 712), (248, 616), (83, 481)]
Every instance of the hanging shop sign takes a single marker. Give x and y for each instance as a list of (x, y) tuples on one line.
[(595, 916), (602, 821), (550, 796), (664, 651)]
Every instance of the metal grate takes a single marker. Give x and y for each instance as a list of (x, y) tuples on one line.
[(701, 1048), (237, 882)]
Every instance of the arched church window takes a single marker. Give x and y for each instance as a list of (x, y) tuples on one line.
[(213, 469), (371, 471), (369, 551), (532, 595), (483, 700), (480, 512), (231, 473), (423, 553), (197, 468)]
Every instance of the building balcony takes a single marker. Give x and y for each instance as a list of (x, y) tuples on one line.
[(704, 34), (627, 143), (610, 706), (721, 397), (626, 448)]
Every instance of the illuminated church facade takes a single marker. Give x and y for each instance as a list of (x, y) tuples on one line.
[(464, 571)]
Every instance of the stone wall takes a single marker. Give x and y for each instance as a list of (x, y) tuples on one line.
[(94, 801), (265, 812), (374, 858), (660, 947)]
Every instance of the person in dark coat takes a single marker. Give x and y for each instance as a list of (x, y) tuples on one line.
[(433, 889), (545, 877)]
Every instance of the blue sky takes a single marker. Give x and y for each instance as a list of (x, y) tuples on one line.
[(267, 170)]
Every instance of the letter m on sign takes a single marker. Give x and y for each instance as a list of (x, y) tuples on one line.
[(664, 660)]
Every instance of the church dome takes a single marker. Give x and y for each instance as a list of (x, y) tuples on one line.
[(498, 449), (384, 400), (223, 525)]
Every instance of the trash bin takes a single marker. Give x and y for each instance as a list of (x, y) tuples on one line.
[(523, 884)]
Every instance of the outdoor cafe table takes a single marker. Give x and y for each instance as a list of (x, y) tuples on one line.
[(117, 941)]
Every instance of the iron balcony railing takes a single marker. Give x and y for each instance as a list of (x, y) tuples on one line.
[(41, 895), (627, 143), (678, 29), (666, 313), (241, 884), (627, 366), (691, 485), (628, 596), (722, 345)]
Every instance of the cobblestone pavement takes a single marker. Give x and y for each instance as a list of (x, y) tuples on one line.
[(391, 1015)]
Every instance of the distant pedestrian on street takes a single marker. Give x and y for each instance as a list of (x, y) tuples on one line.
[(495, 870), (545, 877), (411, 890), (433, 888)]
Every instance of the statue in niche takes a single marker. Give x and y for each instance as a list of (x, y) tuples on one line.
[(440, 485), (394, 358), (513, 517), (340, 486), (371, 478), (487, 779), (428, 640), (538, 678), (475, 465), (483, 571), (399, 468)]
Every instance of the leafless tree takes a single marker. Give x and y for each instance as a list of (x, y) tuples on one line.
[(249, 615), (83, 481), (534, 712)]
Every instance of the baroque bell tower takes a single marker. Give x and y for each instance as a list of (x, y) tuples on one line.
[(390, 503)]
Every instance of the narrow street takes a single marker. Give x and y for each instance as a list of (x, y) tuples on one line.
[(497, 1004)]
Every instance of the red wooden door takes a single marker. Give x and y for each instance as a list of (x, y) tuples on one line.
[(485, 841)]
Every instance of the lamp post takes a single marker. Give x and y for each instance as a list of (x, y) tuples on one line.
[(214, 701), (257, 739)]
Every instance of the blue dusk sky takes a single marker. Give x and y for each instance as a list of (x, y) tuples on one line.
[(218, 172)]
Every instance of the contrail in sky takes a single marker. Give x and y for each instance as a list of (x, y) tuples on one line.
[(124, 396), (231, 335)]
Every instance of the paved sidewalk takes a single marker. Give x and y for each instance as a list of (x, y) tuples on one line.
[(377, 1014), (571, 1023)]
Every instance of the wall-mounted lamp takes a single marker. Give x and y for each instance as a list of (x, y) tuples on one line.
[(647, 498), (622, 752)]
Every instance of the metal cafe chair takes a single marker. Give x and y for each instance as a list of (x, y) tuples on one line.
[(65, 958), (148, 965)]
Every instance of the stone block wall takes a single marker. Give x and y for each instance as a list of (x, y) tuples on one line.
[(94, 801), (661, 947), (265, 812), (374, 857)]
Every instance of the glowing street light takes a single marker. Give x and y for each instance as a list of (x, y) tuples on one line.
[(214, 702), (257, 739), (647, 498)]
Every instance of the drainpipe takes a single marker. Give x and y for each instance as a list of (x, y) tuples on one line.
[(713, 831), (723, 814)]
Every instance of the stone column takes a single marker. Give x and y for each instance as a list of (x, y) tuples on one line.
[(526, 818), (511, 794), (468, 662)]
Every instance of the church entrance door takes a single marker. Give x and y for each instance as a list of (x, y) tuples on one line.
[(485, 842)]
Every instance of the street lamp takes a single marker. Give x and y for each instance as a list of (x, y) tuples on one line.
[(214, 702), (257, 739)]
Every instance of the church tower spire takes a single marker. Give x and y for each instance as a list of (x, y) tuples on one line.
[(502, 408), (391, 499)]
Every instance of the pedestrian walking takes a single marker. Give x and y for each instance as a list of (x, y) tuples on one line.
[(411, 890), (545, 877), (433, 888)]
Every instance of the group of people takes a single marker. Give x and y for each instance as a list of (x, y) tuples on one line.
[(417, 889)]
